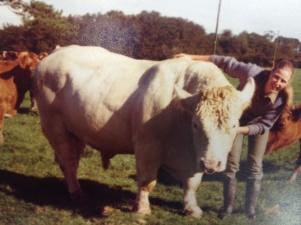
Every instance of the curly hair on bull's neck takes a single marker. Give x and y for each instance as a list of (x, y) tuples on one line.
[(216, 103)]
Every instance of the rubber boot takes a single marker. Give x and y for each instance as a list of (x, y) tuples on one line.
[(229, 197), (252, 192)]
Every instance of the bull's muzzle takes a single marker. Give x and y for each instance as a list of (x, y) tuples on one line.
[(210, 166)]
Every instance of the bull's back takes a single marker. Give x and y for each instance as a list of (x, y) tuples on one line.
[(92, 91)]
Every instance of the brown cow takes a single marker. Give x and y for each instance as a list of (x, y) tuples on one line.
[(286, 131), (8, 55), (15, 80)]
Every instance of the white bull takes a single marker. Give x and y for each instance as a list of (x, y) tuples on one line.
[(177, 113)]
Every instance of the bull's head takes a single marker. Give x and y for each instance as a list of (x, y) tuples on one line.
[(215, 120)]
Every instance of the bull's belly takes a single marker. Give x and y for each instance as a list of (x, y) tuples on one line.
[(115, 142), (107, 134)]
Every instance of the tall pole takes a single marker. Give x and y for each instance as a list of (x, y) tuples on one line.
[(216, 27), (277, 42)]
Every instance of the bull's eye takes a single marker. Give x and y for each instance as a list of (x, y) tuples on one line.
[(233, 126), (195, 125)]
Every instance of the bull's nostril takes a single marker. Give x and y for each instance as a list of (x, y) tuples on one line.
[(209, 171), (219, 163), (202, 164)]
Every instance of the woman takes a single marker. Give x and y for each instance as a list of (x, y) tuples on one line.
[(273, 93)]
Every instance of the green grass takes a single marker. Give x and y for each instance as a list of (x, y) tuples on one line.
[(32, 190)]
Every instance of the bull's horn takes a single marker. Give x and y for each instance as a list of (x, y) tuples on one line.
[(247, 92), (181, 93)]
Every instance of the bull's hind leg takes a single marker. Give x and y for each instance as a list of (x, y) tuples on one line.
[(147, 164), (67, 149)]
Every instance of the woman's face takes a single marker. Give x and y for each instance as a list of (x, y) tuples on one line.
[(278, 80)]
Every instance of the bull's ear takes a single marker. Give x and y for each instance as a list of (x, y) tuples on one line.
[(185, 101), (247, 92), (181, 93), (42, 55)]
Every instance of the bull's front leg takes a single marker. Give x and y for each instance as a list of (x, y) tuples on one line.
[(191, 206), (142, 204), (148, 161)]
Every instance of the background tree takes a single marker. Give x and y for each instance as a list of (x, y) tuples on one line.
[(43, 27), (147, 35)]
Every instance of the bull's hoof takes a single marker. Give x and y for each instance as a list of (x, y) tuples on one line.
[(81, 204), (146, 210), (79, 198), (106, 211), (34, 110), (195, 212)]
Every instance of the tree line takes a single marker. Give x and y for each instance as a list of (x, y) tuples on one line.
[(147, 35)]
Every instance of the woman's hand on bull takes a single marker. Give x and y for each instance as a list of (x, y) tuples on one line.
[(180, 55), (243, 130)]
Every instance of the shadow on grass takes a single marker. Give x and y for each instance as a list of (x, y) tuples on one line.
[(23, 110), (268, 168), (27, 111), (51, 191)]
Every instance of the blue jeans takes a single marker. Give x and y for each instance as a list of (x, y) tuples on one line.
[(256, 148)]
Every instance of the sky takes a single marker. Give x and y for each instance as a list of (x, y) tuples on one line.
[(281, 17)]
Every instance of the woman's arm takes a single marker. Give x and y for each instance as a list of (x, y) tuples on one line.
[(266, 122), (228, 64), (243, 130), (261, 125), (194, 57)]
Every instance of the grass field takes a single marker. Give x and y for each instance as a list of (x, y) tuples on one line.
[(32, 190)]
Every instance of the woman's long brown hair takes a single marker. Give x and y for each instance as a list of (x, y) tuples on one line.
[(287, 93)]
